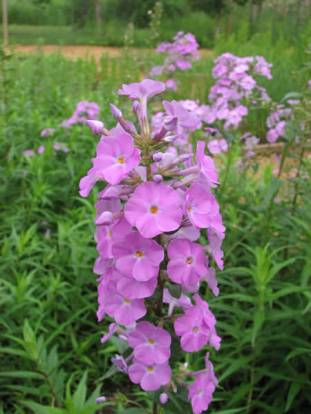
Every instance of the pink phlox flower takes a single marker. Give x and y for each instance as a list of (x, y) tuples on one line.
[(150, 376), (201, 206), (108, 235), (142, 90), (202, 389), (41, 149), (138, 257), (123, 310), (116, 158), (217, 146), (211, 280), (97, 127), (186, 263), (207, 165), (151, 344), (154, 208), (47, 132), (119, 362), (197, 327)]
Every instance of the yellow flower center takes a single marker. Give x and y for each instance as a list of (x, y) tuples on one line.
[(139, 253), (151, 341), (150, 369), (189, 260), (195, 329), (121, 159), (126, 301), (154, 209)]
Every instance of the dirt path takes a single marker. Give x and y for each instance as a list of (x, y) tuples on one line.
[(74, 52)]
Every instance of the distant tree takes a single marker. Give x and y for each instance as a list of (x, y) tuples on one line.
[(80, 11)]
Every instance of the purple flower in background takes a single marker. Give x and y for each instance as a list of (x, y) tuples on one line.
[(47, 132), (41, 149), (151, 344), (28, 153), (138, 257), (180, 54), (150, 377), (186, 263), (163, 398), (154, 208), (171, 84), (83, 112), (60, 146), (217, 146)]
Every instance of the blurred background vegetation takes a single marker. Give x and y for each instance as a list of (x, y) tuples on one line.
[(104, 22)]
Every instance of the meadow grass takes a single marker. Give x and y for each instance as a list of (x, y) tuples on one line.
[(52, 359)]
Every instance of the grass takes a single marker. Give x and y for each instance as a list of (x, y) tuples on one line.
[(52, 359)]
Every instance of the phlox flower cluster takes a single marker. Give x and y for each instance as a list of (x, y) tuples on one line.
[(236, 87), (180, 54), (157, 201), (84, 111), (276, 123)]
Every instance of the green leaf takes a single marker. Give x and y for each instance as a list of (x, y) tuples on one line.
[(293, 391), (42, 409)]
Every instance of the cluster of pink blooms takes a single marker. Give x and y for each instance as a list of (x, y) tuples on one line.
[(57, 146), (276, 123), (250, 141), (180, 54), (83, 112), (149, 217), (235, 88)]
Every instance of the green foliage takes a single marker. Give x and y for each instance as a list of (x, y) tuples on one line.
[(50, 337)]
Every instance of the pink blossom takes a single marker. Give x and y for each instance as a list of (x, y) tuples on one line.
[(202, 389), (97, 127), (142, 90), (217, 146), (117, 158), (41, 149), (125, 311), (151, 344), (186, 263), (201, 206), (197, 327), (150, 377), (138, 257), (154, 208), (207, 165), (106, 236), (47, 132)]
